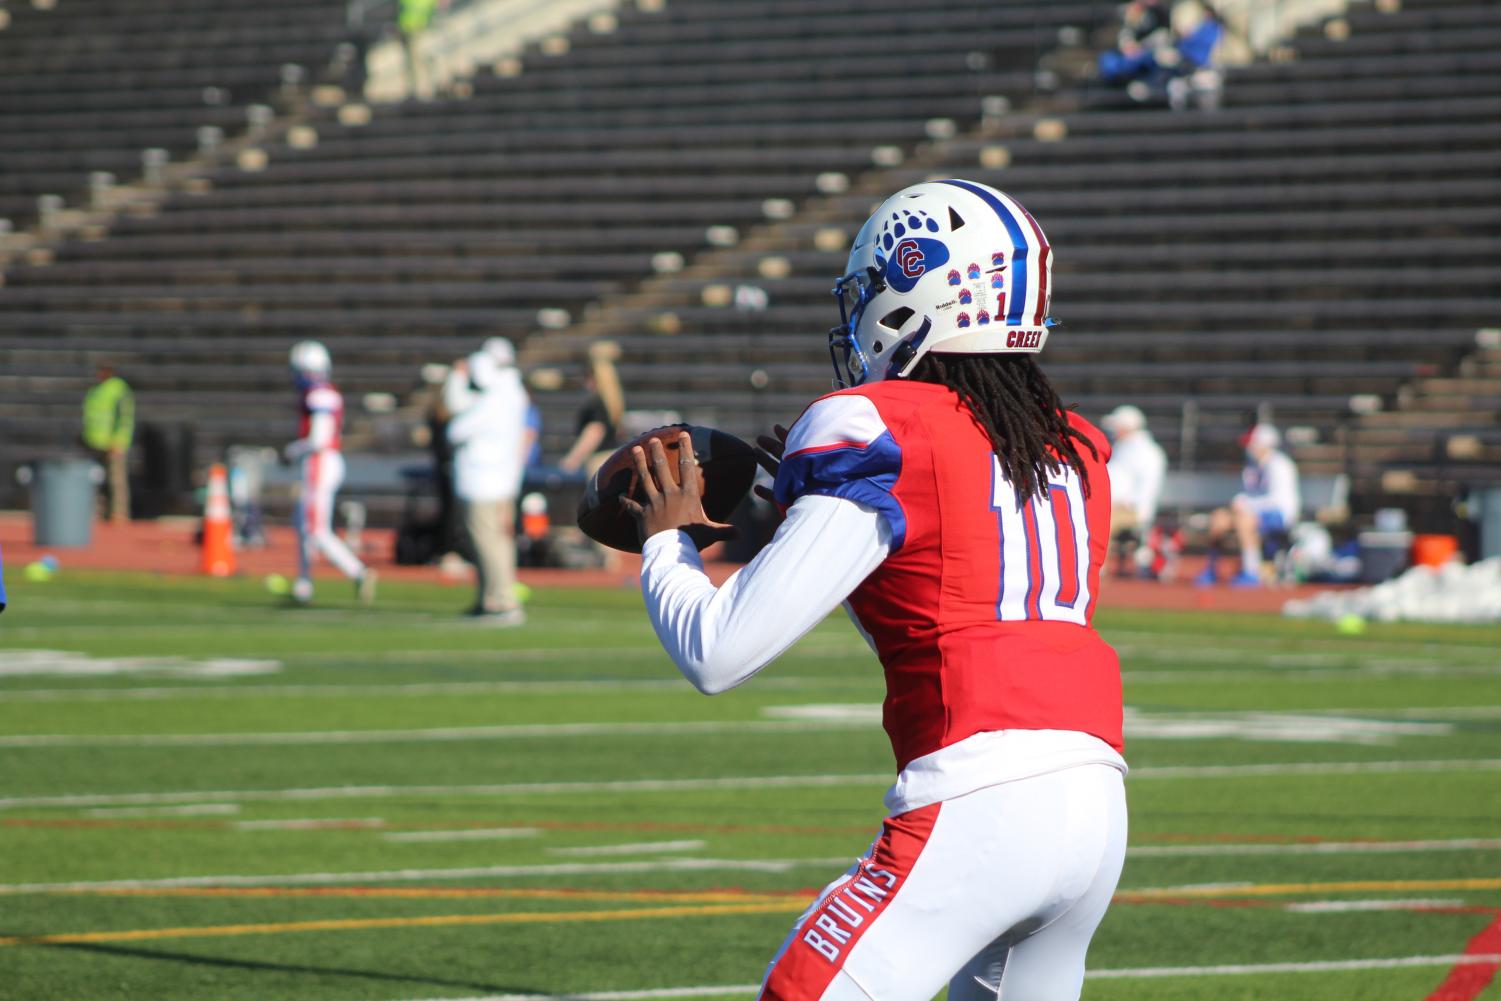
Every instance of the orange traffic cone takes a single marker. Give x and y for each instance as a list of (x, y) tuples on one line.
[(534, 520), (218, 546)]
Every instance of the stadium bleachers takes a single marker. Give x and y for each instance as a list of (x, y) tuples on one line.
[(1332, 230), (89, 85), (406, 236)]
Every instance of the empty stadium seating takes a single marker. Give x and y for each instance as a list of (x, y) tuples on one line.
[(1333, 230), (409, 235)]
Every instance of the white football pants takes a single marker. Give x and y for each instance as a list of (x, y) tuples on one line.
[(322, 474), (996, 893)]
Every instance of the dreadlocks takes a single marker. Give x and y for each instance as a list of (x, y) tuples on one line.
[(1012, 401)]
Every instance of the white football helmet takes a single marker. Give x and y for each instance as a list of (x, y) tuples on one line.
[(310, 358), (950, 266)]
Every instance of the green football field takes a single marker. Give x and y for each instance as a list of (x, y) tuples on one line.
[(206, 796)]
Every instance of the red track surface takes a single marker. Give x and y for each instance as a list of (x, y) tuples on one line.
[(166, 547)]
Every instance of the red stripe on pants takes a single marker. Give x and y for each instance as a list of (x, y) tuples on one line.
[(825, 940), (1467, 980), (310, 506)]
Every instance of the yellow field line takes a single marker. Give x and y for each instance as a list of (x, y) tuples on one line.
[(446, 892), (1292, 889), (742, 897), (709, 905), (429, 921)]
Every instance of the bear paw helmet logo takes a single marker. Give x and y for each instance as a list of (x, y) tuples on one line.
[(908, 255)]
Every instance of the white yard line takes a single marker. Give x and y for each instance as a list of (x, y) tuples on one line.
[(1262, 676), (399, 690), (309, 824), (1338, 645), (596, 868), (1418, 712), (1313, 768), (1322, 966), (1317, 848), (427, 735), (1352, 727), (411, 875), (639, 848), (188, 810), (1145, 972), (1347, 906), (700, 784), (336, 691), (468, 834)]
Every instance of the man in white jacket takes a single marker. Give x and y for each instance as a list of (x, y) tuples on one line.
[(1137, 468), (488, 432)]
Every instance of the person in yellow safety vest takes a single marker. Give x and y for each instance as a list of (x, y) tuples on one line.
[(109, 417), (412, 18)]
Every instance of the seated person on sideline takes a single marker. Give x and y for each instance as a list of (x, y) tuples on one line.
[(1269, 505), (1137, 467), (1145, 25)]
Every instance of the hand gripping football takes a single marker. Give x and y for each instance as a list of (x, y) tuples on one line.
[(728, 464)]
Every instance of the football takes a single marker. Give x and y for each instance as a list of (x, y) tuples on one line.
[(729, 468)]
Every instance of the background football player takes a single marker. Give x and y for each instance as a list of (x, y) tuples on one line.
[(316, 450), (962, 515)]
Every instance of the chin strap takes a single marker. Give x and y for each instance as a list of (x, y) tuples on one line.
[(906, 354)]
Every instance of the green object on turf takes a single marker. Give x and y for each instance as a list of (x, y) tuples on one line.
[(277, 584), (1350, 625), (37, 573)]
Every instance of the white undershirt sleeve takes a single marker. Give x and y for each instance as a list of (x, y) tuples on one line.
[(320, 431), (720, 637), (320, 435)]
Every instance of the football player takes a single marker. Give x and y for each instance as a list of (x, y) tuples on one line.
[(961, 514), (316, 450)]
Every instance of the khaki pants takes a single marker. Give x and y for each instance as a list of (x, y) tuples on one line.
[(491, 527), (115, 504)]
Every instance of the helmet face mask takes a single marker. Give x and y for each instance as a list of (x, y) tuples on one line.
[(854, 292), (947, 266)]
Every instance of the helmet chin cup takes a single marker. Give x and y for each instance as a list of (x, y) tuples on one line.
[(851, 366)]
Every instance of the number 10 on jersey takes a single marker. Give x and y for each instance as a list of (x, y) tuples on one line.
[(1044, 550)]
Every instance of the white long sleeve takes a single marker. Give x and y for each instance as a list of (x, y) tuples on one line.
[(720, 637), (320, 435), (458, 395)]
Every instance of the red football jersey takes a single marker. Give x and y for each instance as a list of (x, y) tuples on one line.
[(981, 613), (321, 398)]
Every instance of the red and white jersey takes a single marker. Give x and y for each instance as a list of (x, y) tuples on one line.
[(320, 398), (980, 613)]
